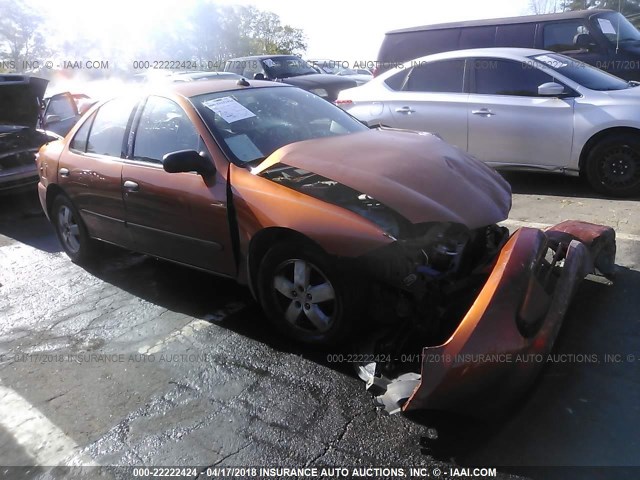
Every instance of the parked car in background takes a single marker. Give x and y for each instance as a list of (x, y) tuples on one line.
[(20, 106), (516, 109), (335, 227), (292, 70), (360, 76), (178, 77), (155, 77), (599, 37), (333, 67)]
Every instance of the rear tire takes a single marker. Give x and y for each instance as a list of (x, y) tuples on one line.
[(613, 166), (306, 296), (71, 230)]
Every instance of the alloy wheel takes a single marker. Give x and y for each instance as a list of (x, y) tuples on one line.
[(306, 297)]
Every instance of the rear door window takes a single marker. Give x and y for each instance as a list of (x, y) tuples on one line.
[(443, 76), (109, 126)]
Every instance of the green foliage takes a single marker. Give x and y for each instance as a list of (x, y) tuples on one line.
[(20, 37), (627, 7), (201, 31)]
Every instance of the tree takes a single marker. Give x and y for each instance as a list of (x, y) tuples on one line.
[(21, 42), (262, 32), (544, 6), (626, 7)]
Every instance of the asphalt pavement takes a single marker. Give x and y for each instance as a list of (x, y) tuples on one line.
[(135, 361)]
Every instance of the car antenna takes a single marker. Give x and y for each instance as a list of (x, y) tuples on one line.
[(618, 29), (243, 82)]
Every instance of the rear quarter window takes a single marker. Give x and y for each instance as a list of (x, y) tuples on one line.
[(79, 141)]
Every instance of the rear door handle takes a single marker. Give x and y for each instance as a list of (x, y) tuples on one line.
[(131, 186), (405, 110), (483, 112), (64, 172)]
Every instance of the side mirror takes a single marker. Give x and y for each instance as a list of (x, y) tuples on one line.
[(188, 161), (584, 41), (258, 76), (52, 119), (550, 89)]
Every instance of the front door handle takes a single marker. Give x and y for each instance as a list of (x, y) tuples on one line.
[(131, 186), (405, 110), (483, 112), (64, 172)]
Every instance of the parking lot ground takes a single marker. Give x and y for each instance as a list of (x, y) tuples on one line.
[(135, 361)]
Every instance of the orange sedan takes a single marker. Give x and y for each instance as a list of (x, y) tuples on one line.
[(335, 227)]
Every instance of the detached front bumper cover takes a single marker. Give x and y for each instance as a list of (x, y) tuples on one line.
[(494, 353)]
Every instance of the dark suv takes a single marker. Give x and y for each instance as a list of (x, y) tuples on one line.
[(292, 70)]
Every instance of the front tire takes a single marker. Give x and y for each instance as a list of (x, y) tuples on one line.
[(71, 230), (305, 295), (613, 166)]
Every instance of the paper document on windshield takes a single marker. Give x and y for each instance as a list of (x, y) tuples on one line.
[(229, 109), (552, 62), (606, 26)]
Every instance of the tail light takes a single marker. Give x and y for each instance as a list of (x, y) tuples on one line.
[(376, 71), (343, 102)]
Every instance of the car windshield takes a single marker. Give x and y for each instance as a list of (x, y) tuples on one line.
[(586, 75), (251, 124), (285, 67), (616, 28)]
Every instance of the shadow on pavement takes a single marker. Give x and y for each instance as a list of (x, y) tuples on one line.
[(532, 183), (22, 219), (582, 411)]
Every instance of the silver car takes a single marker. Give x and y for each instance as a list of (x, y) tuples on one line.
[(515, 108)]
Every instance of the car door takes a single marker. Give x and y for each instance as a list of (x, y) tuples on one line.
[(177, 216), (510, 124), (432, 98), (60, 114), (90, 172)]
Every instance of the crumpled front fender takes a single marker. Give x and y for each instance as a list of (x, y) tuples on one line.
[(499, 346)]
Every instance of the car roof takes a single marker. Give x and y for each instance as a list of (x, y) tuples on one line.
[(506, 20), (191, 89), (261, 57), (484, 52)]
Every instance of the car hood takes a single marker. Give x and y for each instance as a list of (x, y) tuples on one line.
[(20, 99), (626, 95), (421, 177)]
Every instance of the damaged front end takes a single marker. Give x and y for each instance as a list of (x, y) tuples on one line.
[(452, 299), (479, 311)]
